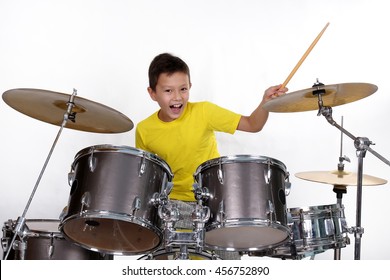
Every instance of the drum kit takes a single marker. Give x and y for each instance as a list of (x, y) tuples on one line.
[(119, 197)]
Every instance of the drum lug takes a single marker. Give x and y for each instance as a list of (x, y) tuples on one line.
[(136, 205), (221, 212), (220, 174), (8, 226), (20, 246), (287, 186), (71, 177), (166, 187), (329, 225), (271, 211), (142, 167), (85, 201), (4, 244), (50, 249), (92, 162), (268, 173), (304, 231)]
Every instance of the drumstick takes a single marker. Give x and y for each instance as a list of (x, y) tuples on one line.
[(304, 56)]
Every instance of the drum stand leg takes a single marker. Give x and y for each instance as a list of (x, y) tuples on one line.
[(362, 145), (19, 228), (361, 151)]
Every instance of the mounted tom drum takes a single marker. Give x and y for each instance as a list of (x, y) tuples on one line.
[(112, 199), (246, 195)]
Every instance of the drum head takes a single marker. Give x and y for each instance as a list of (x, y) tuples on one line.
[(112, 235), (246, 238)]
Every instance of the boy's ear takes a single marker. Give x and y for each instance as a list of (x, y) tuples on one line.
[(152, 93)]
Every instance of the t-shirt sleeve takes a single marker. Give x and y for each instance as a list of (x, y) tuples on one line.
[(221, 119)]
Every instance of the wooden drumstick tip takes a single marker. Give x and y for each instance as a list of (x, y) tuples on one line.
[(304, 56)]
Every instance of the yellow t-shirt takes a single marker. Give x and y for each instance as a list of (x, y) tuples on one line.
[(186, 142)]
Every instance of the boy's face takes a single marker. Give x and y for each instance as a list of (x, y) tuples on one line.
[(171, 94)]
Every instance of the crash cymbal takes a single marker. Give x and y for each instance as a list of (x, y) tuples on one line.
[(339, 178), (50, 107), (334, 95)]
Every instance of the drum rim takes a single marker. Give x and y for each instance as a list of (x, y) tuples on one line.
[(312, 209), (163, 252), (315, 246), (246, 250), (123, 149), (31, 232), (231, 223), (239, 158), (104, 214)]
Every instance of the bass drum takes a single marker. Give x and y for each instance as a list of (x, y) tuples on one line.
[(43, 241), (246, 195), (111, 204)]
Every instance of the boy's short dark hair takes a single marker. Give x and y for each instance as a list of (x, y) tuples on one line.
[(166, 63)]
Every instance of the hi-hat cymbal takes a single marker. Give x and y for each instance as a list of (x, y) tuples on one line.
[(341, 178), (50, 107), (334, 95)]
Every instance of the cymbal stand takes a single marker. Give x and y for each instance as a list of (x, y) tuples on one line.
[(20, 223), (340, 189), (362, 145)]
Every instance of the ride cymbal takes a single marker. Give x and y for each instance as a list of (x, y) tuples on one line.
[(333, 95), (339, 178), (50, 107)]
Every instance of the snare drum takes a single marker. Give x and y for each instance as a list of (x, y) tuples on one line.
[(111, 204), (315, 229), (246, 195), (43, 241)]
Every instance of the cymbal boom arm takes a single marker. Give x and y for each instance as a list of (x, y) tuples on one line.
[(362, 144)]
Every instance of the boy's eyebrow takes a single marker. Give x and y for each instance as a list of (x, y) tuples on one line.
[(182, 85)]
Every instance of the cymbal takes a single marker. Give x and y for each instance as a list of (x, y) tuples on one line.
[(334, 95), (339, 178), (50, 107)]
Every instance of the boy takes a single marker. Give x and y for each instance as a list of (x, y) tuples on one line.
[(182, 132)]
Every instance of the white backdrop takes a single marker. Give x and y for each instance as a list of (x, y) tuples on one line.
[(235, 50)]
